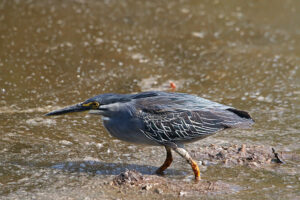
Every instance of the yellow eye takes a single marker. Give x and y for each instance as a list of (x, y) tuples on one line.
[(92, 105)]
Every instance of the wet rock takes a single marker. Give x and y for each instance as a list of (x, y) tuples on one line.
[(131, 180), (205, 163), (242, 149), (253, 164), (182, 193), (147, 187), (129, 177), (158, 191), (65, 142), (220, 155), (277, 156), (269, 161)]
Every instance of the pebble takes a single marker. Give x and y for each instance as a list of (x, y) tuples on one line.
[(253, 164), (182, 193), (158, 191), (205, 162), (147, 187), (65, 142)]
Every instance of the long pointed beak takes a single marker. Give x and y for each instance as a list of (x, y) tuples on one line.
[(69, 109)]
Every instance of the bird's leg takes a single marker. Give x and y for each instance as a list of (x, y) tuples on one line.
[(167, 162), (182, 152)]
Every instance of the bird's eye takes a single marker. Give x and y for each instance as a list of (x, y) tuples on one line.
[(92, 105)]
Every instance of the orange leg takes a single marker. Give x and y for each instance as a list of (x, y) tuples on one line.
[(182, 152), (167, 162), (196, 170)]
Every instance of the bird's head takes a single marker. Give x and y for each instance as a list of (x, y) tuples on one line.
[(93, 104)]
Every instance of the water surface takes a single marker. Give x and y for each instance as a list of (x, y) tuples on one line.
[(57, 53)]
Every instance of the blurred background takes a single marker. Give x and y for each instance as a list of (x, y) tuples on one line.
[(56, 53)]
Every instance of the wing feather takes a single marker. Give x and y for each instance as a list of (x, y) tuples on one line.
[(181, 126), (183, 118)]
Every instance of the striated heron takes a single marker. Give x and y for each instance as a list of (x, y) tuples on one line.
[(163, 119)]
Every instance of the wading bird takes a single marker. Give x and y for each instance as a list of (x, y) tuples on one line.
[(163, 119)]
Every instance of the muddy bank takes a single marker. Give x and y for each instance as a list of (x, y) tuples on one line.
[(254, 156), (133, 180), (82, 181), (250, 156)]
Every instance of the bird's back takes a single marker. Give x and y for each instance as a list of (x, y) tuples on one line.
[(155, 101)]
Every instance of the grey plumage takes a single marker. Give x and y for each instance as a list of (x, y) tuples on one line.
[(162, 118)]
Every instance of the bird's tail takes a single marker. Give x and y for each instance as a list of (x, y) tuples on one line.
[(242, 119)]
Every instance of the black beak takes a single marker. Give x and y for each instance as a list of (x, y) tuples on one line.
[(69, 109)]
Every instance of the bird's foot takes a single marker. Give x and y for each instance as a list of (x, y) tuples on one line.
[(197, 179), (196, 170), (160, 171)]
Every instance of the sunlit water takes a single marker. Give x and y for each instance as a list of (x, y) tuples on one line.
[(57, 53)]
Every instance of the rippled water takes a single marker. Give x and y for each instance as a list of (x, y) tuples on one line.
[(56, 53)]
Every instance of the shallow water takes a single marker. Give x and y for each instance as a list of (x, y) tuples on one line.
[(54, 53)]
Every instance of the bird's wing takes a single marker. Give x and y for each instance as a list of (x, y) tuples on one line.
[(181, 126), (174, 123)]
